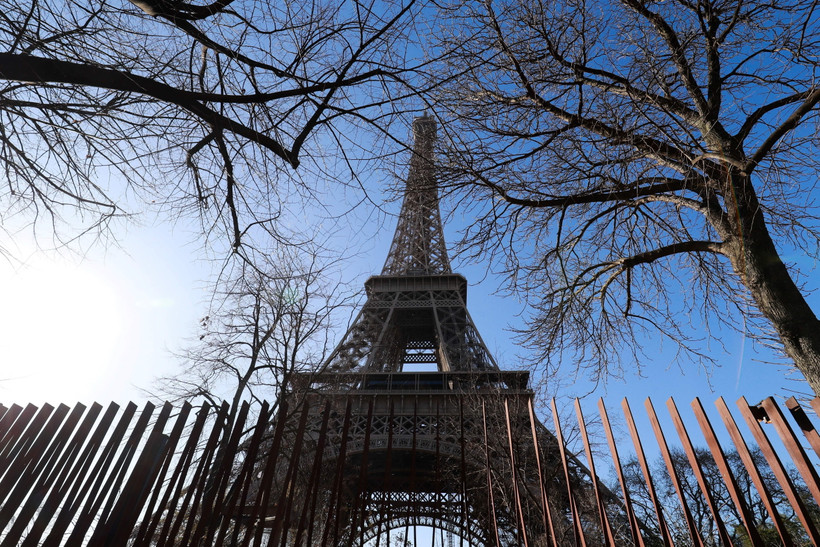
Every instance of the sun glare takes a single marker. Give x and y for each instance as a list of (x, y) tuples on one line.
[(60, 327)]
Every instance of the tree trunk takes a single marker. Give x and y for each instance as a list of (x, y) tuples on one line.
[(755, 259)]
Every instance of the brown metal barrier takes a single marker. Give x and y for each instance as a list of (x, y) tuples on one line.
[(120, 476)]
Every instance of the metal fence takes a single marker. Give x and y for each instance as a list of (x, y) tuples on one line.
[(181, 476)]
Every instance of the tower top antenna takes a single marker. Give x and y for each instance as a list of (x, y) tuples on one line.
[(418, 246)]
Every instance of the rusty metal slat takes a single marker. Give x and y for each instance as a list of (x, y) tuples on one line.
[(815, 404), (336, 485), (605, 526), (267, 485), (65, 445), (795, 450), (237, 495), (358, 523), (135, 492), (60, 494), (463, 465), (726, 473), (189, 511), (437, 479), (321, 447), (89, 486), (514, 474), (241, 488), (240, 484), (28, 445), (683, 434), (213, 512), (748, 462), (48, 495), (289, 488), (340, 470), (306, 522), (38, 477), (694, 534), (149, 523), (281, 519), (173, 490), (143, 479), (7, 415), (576, 520), (271, 457), (11, 417), (413, 475), (546, 514), (804, 423), (650, 485), (388, 467), (43, 461), (211, 465), (124, 462), (489, 474), (294, 478), (637, 538), (123, 516), (23, 433), (87, 439), (777, 468), (20, 475), (53, 466), (200, 478), (110, 476), (15, 427)]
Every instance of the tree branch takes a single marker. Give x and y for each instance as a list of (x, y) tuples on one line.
[(676, 50), (683, 247), (661, 185), (621, 86), (50, 71), (755, 116), (790, 123), (648, 145)]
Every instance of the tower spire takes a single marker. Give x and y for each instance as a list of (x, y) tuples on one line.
[(418, 246)]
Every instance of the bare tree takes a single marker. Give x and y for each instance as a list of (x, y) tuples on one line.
[(269, 318), (266, 322), (639, 167), (107, 105)]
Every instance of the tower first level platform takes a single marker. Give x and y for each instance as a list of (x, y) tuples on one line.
[(409, 321), (446, 450)]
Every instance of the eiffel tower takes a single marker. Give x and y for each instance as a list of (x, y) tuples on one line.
[(411, 425), (416, 311)]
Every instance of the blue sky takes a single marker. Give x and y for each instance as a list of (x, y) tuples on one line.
[(101, 326)]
